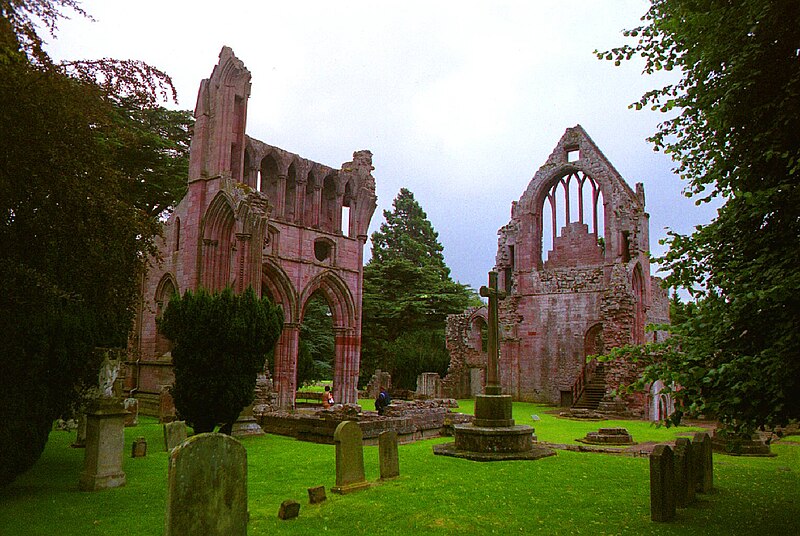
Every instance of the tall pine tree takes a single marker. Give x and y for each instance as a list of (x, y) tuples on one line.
[(408, 294)]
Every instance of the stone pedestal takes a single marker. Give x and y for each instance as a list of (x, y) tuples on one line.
[(493, 436), (105, 442), (493, 411), (246, 424)]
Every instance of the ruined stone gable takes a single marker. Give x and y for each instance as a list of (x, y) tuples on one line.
[(574, 260), (257, 215)]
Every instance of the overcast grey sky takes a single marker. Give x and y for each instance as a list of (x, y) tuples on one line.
[(459, 101)]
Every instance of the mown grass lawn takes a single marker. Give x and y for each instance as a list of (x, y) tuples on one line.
[(571, 493)]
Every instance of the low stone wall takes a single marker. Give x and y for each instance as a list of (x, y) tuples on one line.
[(412, 421)]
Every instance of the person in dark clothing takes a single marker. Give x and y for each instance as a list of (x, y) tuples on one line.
[(382, 401)]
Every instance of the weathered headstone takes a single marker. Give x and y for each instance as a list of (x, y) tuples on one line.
[(289, 509), (682, 463), (387, 452), (166, 405), (207, 489), (705, 462), (139, 448), (317, 495), (662, 492), (174, 434), (349, 458), (685, 445), (131, 405), (80, 432), (105, 442)]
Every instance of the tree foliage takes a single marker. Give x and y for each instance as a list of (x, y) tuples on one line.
[(407, 296), (220, 343), (74, 231), (733, 128), (317, 346)]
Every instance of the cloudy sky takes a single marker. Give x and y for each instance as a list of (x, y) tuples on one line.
[(459, 101)]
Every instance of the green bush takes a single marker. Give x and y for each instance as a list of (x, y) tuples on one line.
[(220, 342)]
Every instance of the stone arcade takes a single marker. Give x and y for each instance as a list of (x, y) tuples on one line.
[(258, 215), (574, 263)]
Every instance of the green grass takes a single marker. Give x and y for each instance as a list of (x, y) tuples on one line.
[(571, 493)]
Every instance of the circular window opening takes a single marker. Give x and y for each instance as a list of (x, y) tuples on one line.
[(322, 250)]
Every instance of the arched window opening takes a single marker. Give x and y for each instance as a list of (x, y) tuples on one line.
[(290, 195), (310, 210), (347, 202), (478, 335), (329, 210), (269, 179), (177, 234), (163, 296), (637, 284), (572, 218), (316, 349)]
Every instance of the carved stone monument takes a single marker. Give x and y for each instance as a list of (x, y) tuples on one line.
[(493, 435), (105, 442)]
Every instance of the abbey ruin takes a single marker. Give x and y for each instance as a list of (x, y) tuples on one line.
[(574, 262), (256, 215)]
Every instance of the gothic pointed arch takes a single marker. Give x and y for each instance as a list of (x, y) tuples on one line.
[(639, 301), (277, 286), (167, 287), (340, 299), (217, 242)]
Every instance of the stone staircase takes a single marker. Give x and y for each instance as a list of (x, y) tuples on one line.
[(593, 390)]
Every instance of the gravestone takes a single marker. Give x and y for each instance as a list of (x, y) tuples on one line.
[(80, 432), (207, 487), (105, 442), (387, 452), (705, 462), (349, 458), (662, 489), (317, 495), (174, 434), (131, 405), (685, 444), (139, 448), (682, 463), (289, 509), (166, 405)]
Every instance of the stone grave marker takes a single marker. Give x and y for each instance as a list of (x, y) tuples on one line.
[(349, 458), (705, 462), (166, 405), (139, 448), (132, 407), (105, 443), (80, 432), (289, 509), (684, 444), (682, 463), (317, 495), (207, 487), (662, 489), (387, 452), (174, 434)]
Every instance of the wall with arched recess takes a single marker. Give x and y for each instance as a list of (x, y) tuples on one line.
[(261, 216), (574, 277)]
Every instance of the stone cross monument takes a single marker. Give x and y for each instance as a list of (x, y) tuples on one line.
[(492, 366), (492, 435)]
